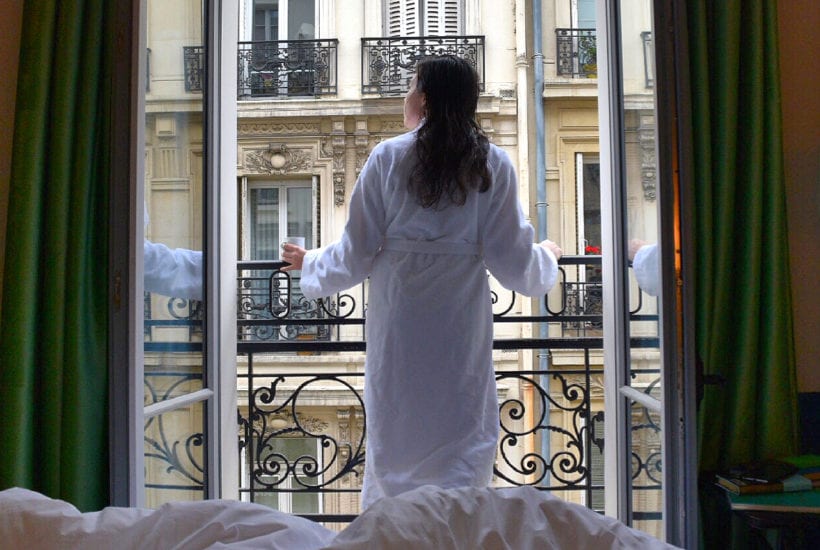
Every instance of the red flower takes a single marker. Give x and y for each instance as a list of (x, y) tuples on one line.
[(589, 249)]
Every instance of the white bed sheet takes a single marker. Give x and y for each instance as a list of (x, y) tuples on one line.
[(520, 518)]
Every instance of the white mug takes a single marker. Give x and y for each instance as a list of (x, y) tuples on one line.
[(298, 241)]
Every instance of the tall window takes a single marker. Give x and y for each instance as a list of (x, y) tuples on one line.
[(274, 473), (265, 20), (275, 211), (283, 20), (424, 17), (584, 16), (270, 213), (588, 181)]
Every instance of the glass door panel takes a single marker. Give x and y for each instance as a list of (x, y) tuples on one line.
[(641, 229), (175, 383)]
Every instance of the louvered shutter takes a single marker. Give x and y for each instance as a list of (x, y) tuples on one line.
[(443, 17), (440, 17), (403, 18)]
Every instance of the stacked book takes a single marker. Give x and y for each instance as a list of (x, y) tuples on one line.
[(771, 476)]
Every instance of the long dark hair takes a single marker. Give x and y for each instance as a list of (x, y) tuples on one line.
[(450, 145)]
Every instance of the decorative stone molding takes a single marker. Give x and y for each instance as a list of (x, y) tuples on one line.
[(361, 142), (312, 424), (338, 146), (277, 160), (309, 424), (343, 419), (268, 128), (649, 170), (393, 127)]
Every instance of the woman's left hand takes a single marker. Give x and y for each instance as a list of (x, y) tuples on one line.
[(294, 255)]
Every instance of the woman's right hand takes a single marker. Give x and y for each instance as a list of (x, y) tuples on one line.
[(553, 247), (294, 255)]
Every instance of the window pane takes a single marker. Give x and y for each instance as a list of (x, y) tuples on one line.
[(266, 20), (300, 210), (173, 329), (300, 19), (174, 159), (276, 465), (175, 456), (640, 166), (264, 223), (647, 475)]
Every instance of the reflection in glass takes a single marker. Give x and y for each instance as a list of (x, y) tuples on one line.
[(175, 456), (641, 200), (173, 191)]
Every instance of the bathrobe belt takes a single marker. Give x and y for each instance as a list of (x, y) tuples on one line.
[(432, 247)]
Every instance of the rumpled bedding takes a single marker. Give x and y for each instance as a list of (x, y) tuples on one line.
[(518, 518)]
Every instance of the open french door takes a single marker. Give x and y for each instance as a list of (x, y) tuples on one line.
[(649, 366), (174, 420)]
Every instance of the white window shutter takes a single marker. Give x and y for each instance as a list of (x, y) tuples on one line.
[(403, 18), (443, 17)]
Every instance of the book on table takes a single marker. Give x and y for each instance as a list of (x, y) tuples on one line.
[(772, 476), (795, 482)]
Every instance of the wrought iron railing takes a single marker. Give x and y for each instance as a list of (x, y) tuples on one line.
[(287, 68), (301, 415), (576, 55), (275, 68), (389, 63), (194, 64)]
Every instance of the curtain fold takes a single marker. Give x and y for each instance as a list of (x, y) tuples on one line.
[(743, 298), (53, 348)]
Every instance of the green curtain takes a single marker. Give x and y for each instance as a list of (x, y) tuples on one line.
[(743, 299), (53, 346)]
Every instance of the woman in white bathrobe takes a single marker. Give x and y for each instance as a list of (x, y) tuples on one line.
[(431, 212)]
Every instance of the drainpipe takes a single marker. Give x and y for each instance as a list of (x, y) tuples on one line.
[(538, 105), (540, 192)]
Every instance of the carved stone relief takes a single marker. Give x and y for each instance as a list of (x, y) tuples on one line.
[(338, 170), (393, 127), (277, 160), (343, 418), (276, 128)]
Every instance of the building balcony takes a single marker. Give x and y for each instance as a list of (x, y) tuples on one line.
[(301, 414), (287, 68), (389, 63), (576, 51), (274, 69), (308, 68)]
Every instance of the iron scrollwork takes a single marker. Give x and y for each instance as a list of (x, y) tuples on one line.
[(271, 419), (568, 466), (181, 458), (389, 63)]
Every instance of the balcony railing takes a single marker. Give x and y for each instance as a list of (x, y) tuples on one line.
[(576, 53), (389, 63), (287, 68), (301, 414), (194, 63), (277, 68)]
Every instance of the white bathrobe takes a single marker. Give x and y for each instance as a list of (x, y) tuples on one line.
[(430, 392), (647, 268)]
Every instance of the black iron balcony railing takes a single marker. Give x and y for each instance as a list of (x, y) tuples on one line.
[(194, 63), (389, 63), (576, 53), (301, 414), (287, 68), (276, 68)]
